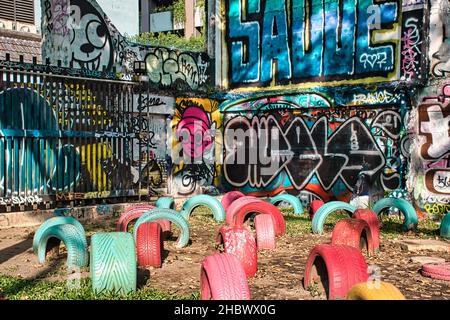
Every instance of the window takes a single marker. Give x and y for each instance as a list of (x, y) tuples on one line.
[(17, 10)]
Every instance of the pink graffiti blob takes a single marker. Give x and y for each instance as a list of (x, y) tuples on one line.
[(193, 132)]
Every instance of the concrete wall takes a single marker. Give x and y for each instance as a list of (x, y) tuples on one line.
[(344, 87)]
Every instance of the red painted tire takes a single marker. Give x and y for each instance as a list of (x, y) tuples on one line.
[(131, 214), (265, 232), (149, 245), (230, 212), (374, 225), (354, 233), (336, 268), (315, 205), (240, 242), (260, 207), (229, 197), (135, 213), (439, 271), (222, 277)]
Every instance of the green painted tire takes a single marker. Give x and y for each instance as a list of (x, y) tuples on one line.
[(166, 214), (325, 210), (203, 200), (67, 230), (411, 219), (56, 221), (445, 227), (113, 262), (293, 201), (165, 203)]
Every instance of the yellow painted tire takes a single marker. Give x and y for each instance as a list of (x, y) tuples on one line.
[(375, 291)]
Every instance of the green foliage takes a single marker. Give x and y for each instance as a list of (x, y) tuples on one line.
[(179, 15), (39, 289), (171, 40)]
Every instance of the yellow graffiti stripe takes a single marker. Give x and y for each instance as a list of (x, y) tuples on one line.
[(90, 156)]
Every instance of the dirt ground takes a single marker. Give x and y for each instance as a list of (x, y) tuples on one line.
[(279, 275)]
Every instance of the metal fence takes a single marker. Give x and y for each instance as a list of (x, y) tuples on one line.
[(69, 136)]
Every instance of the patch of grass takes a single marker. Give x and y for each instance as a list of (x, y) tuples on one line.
[(314, 290), (391, 227), (39, 289)]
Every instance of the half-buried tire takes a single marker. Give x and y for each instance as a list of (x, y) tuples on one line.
[(374, 225), (222, 277), (165, 203), (354, 233), (166, 214), (149, 245), (203, 200), (410, 215), (445, 227), (324, 211), (229, 197), (230, 214), (260, 207), (240, 242), (265, 232), (314, 206), (372, 290), (289, 198), (135, 213), (113, 262), (335, 269), (67, 230)]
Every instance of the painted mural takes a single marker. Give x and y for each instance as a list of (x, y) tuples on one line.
[(430, 164), (318, 141), (439, 50), (277, 42), (79, 34), (196, 146)]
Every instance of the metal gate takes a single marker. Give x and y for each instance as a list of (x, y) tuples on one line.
[(71, 136)]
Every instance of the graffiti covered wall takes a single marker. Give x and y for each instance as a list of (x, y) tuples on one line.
[(429, 177), (318, 141), (275, 42), (196, 146), (79, 34)]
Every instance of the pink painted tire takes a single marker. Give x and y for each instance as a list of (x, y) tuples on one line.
[(230, 212), (265, 232), (439, 271), (336, 268), (260, 207), (354, 233), (135, 213), (315, 205), (149, 245), (240, 242), (374, 225), (229, 197), (131, 214), (222, 277)]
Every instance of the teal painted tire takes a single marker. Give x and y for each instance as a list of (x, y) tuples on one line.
[(166, 214), (75, 242), (411, 220), (113, 262), (445, 227), (67, 230), (56, 221), (165, 203), (325, 210), (292, 200), (203, 200)]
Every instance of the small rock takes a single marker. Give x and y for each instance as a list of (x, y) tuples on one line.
[(414, 245), (424, 259)]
